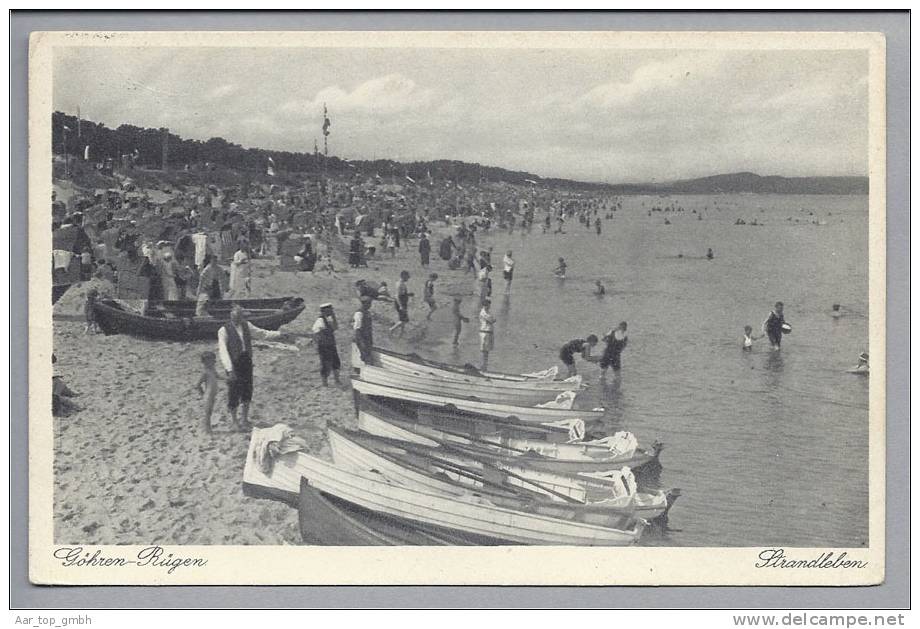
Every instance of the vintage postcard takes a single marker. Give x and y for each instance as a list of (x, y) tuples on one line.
[(529, 308)]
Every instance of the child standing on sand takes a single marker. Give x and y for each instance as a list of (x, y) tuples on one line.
[(207, 387), (89, 312)]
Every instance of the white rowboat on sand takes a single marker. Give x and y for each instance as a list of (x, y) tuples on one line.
[(606, 501), (527, 414), (468, 514), (580, 456), (388, 359)]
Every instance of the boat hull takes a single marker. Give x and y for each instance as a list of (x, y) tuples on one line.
[(525, 489), (485, 392), (545, 455), (182, 325), (527, 414), (413, 363)]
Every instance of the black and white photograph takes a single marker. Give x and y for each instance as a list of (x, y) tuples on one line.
[(602, 304)]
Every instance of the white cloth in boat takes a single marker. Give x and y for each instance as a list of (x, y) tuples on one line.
[(624, 481), (576, 428), (564, 400), (621, 443), (270, 443), (546, 374)]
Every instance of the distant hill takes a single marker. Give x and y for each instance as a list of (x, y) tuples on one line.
[(148, 143), (749, 182)]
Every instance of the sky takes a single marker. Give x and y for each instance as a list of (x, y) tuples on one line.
[(592, 115)]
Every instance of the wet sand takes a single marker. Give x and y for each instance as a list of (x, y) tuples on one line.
[(132, 466)]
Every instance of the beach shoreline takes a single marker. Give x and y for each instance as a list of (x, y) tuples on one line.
[(132, 465)]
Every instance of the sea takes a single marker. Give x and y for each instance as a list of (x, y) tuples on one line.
[(768, 448)]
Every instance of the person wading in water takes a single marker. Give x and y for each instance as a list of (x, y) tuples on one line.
[(616, 343), (775, 326), (234, 344)]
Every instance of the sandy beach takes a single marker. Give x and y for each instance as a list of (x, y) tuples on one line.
[(132, 467)]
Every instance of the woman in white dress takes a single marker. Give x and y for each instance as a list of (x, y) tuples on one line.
[(240, 273)]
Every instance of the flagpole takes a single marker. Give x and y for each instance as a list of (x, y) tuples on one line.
[(64, 134)]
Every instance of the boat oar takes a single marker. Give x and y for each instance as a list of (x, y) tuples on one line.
[(486, 463)]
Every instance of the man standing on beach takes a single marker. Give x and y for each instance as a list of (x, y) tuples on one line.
[(234, 345), (424, 249), (364, 329), (486, 332), (324, 335)]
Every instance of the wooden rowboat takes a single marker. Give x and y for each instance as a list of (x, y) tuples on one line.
[(466, 423), (596, 500), (527, 414), (219, 305), (468, 387), (463, 515), (389, 359), (502, 445), (182, 325)]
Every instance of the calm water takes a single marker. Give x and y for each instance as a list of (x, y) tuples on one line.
[(768, 448)]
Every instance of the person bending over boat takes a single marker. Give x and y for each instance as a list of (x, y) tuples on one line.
[(577, 346), (616, 342), (234, 345)]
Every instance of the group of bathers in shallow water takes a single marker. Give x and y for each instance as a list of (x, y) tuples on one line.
[(614, 344)]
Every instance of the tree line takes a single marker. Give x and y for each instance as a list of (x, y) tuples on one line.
[(73, 136)]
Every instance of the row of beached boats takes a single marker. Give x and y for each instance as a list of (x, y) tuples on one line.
[(452, 455)]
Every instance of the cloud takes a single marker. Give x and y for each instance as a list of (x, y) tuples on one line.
[(222, 91), (385, 95), (656, 76)]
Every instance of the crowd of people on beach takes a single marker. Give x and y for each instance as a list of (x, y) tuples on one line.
[(235, 226)]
